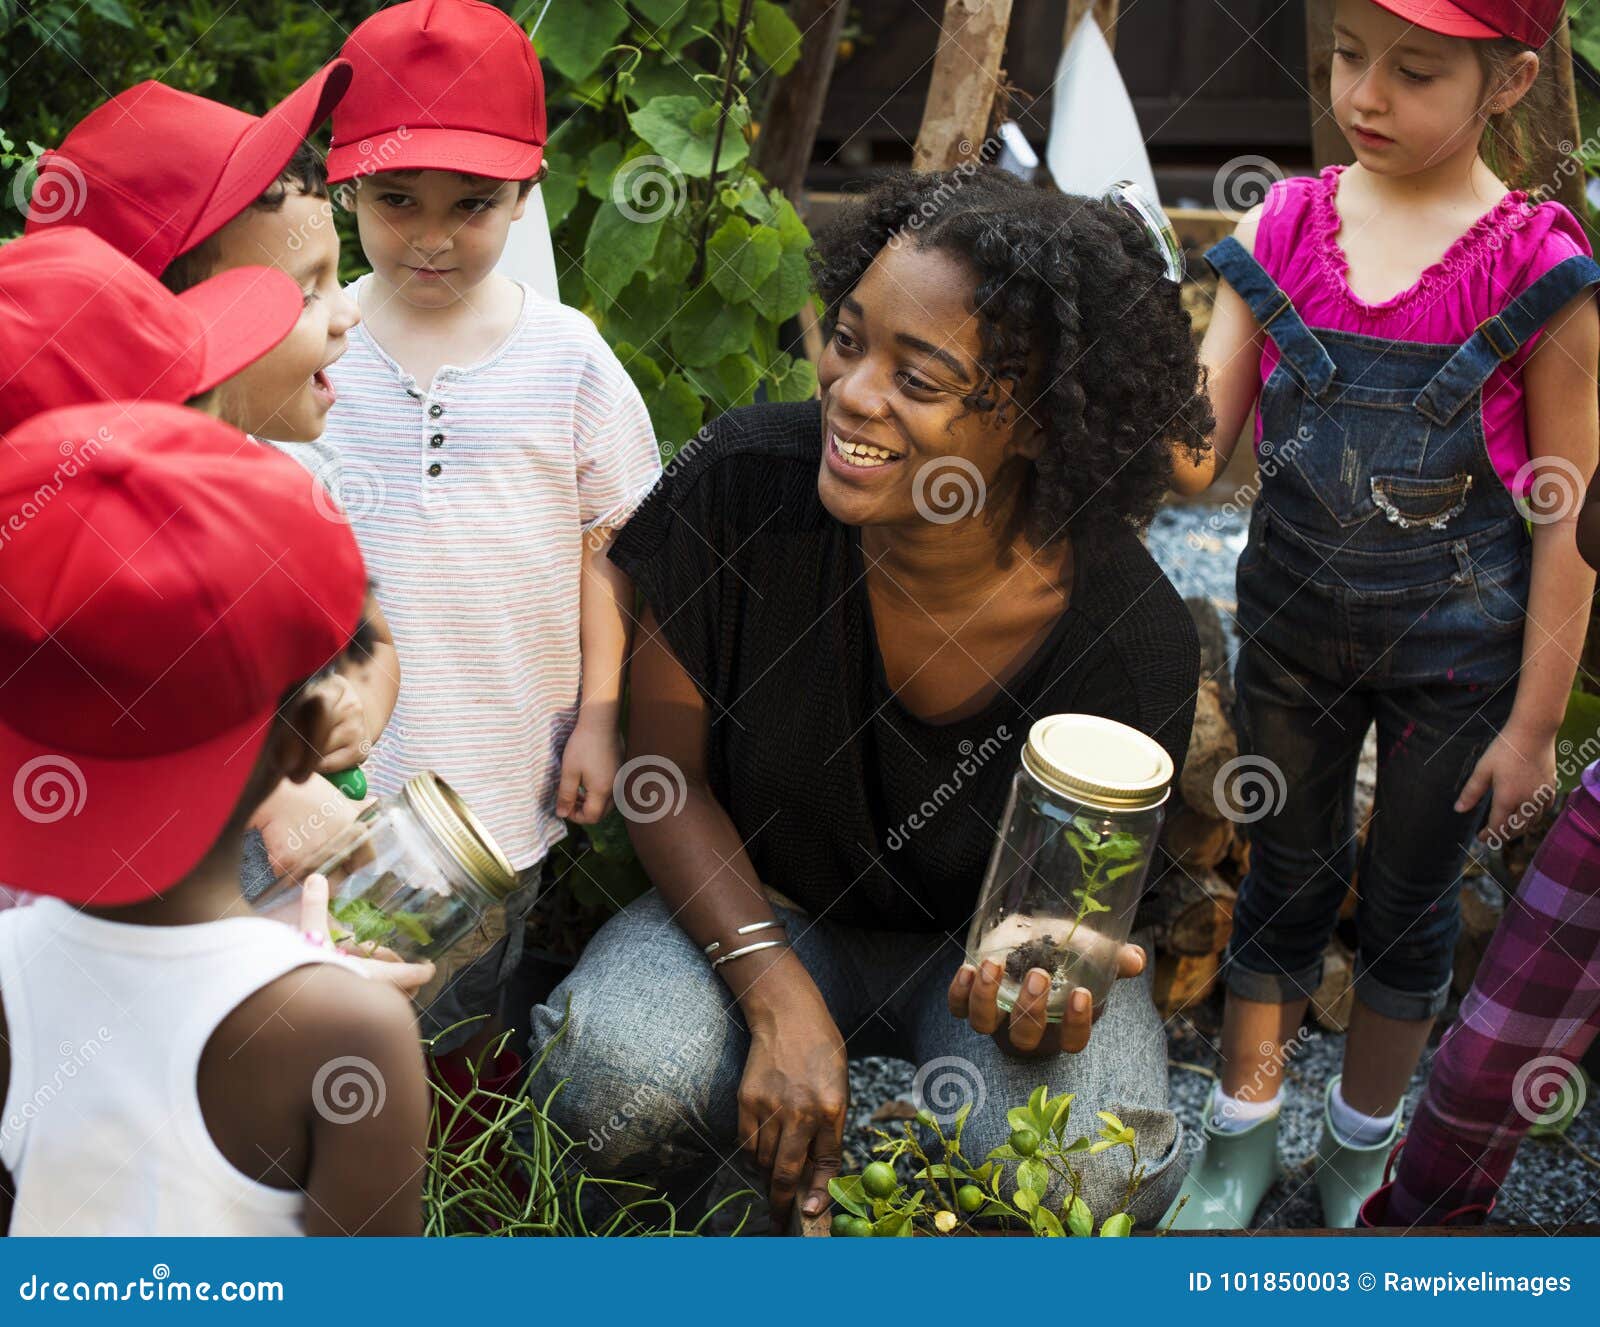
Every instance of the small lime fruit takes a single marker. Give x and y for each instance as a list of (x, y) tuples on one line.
[(878, 1180), (969, 1198), (1024, 1142)]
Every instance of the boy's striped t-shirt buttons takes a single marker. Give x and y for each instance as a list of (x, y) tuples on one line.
[(435, 469)]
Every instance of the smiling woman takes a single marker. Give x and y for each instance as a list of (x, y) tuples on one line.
[(845, 600)]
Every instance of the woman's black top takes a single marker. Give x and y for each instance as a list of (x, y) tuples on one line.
[(846, 802)]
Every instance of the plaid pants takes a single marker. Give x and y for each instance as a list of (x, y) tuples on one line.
[(1513, 1054)]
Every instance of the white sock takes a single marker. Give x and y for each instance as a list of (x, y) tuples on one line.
[(1354, 1129), (1231, 1115)]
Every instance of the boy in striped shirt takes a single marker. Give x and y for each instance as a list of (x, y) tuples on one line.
[(488, 442)]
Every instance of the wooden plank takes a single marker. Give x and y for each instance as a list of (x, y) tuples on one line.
[(789, 130), (1105, 14), (966, 76)]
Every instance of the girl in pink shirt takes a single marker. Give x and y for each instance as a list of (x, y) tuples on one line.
[(1422, 342)]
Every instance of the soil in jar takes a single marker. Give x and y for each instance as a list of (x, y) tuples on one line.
[(1022, 942)]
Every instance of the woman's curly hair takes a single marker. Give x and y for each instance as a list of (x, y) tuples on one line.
[(1076, 314)]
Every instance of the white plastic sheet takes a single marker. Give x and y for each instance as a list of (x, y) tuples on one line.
[(1094, 135)]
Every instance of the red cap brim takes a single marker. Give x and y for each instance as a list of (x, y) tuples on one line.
[(92, 830), (246, 311), (463, 150), (264, 150), (1441, 16)]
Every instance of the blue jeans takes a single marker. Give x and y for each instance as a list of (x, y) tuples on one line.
[(1304, 704), (656, 1046)]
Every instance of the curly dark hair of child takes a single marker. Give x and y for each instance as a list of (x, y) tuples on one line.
[(1078, 320)]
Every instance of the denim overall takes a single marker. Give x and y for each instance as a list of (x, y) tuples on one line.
[(1385, 582)]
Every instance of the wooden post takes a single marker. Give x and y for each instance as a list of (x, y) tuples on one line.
[(1328, 144), (1105, 13), (966, 76), (789, 131)]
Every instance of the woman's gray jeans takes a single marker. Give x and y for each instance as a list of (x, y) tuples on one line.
[(656, 1047)]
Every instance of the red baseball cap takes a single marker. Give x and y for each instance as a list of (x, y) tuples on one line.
[(80, 321), (141, 664), (155, 171), (1529, 21), (440, 85)]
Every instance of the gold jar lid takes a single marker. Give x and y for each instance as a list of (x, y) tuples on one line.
[(438, 806), (1099, 761)]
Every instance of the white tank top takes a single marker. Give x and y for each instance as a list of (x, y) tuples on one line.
[(102, 1130)]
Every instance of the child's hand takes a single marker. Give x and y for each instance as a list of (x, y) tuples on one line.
[(347, 740), (376, 963), (1520, 769), (589, 765)]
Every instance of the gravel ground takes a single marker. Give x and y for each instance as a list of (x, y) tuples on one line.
[(1554, 1183)]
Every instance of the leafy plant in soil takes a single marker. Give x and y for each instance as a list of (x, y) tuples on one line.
[(1006, 1192), (498, 1165)]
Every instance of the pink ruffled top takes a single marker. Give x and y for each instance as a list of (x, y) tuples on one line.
[(1504, 252)]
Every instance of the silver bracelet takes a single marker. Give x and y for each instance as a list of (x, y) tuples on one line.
[(715, 945), (748, 949)]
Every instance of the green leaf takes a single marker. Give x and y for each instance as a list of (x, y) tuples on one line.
[(707, 329), (676, 410), (616, 249), (602, 165), (1034, 1174), (683, 129), (560, 189), (112, 11), (1059, 1111), (581, 33), (663, 80), (1036, 1106), (791, 230), (799, 383), (846, 1191), (774, 37), (643, 314), (644, 371), (786, 289), (942, 1171), (1025, 1200), (674, 258), (1020, 1117), (1047, 1223), (1118, 1224), (737, 377), (1110, 1119), (739, 259), (661, 13), (1080, 1220)]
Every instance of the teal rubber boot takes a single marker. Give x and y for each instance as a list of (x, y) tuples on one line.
[(1347, 1176), (1226, 1185)]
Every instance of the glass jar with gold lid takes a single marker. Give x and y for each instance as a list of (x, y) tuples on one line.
[(1070, 861), (414, 873)]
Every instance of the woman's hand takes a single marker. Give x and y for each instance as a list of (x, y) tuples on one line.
[(1025, 1032), (375, 962), (792, 1104), (1519, 770)]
